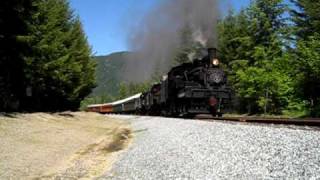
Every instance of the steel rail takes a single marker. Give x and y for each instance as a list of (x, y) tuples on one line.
[(288, 121)]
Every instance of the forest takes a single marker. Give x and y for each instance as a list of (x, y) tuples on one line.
[(46, 62), (270, 49), (272, 52)]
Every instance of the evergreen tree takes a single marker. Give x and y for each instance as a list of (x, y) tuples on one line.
[(267, 20), (45, 60), (306, 18), (307, 61), (234, 37), (60, 72), (258, 28), (251, 42), (14, 18)]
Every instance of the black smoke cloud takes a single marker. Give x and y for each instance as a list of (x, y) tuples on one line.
[(156, 37)]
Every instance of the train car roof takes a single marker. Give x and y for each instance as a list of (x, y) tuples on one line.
[(126, 99), (116, 102), (94, 105), (98, 105)]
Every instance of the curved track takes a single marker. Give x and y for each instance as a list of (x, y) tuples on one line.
[(301, 122)]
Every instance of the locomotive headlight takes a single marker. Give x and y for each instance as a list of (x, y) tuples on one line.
[(215, 62)]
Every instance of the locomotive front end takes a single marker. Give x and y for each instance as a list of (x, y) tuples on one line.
[(205, 89)]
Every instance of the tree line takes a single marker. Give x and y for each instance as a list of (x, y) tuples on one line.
[(45, 59), (272, 53)]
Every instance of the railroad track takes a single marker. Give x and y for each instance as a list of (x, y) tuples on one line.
[(301, 122)]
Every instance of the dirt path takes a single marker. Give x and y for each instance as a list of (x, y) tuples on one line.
[(67, 145)]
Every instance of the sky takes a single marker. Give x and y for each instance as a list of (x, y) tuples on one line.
[(104, 21)]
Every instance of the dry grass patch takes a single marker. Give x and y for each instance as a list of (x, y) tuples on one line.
[(119, 140), (65, 145)]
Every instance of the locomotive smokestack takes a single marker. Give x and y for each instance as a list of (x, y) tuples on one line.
[(212, 53)]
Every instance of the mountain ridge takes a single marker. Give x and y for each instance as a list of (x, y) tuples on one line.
[(108, 73)]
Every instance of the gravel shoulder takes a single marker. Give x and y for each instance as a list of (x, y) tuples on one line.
[(165, 148), (60, 145)]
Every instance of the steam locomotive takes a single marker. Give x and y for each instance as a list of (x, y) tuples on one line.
[(198, 87)]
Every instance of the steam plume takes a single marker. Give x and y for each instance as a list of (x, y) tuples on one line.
[(158, 35)]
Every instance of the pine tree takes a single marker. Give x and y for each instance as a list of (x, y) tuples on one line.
[(251, 42), (267, 20), (259, 27), (60, 71), (45, 57), (81, 67), (307, 63), (306, 18), (14, 18), (234, 37)]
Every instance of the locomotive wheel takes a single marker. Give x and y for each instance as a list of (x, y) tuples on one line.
[(173, 110), (166, 111), (214, 112)]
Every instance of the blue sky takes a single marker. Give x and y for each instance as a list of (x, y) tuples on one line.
[(103, 20)]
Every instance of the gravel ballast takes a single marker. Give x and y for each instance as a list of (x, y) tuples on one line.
[(167, 148)]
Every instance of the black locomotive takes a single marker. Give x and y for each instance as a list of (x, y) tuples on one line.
[(198, 87), (192, 88)]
